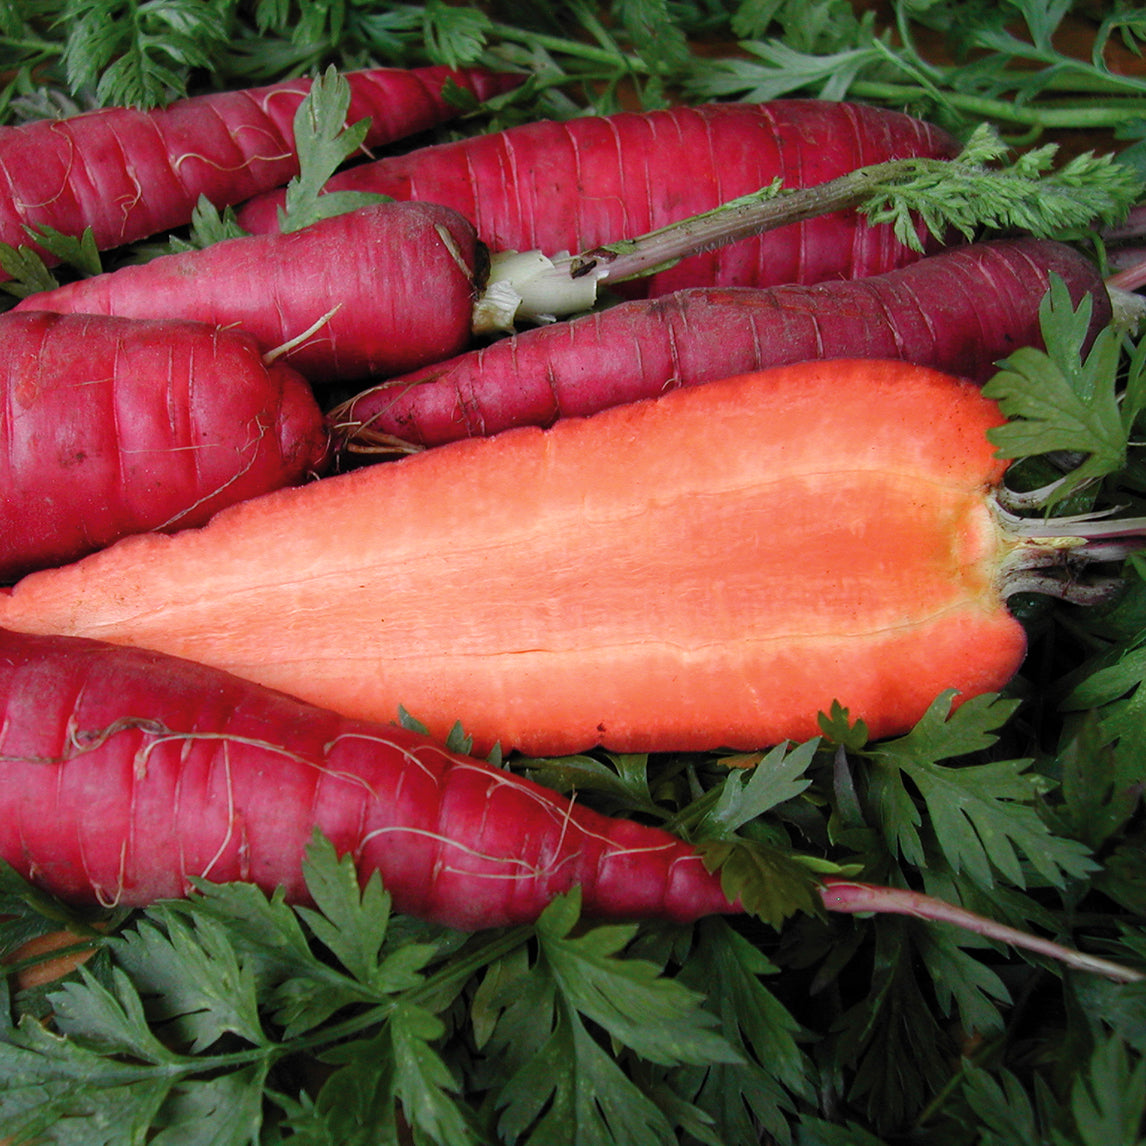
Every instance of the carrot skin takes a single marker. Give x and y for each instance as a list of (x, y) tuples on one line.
[(127, 774), (129, 173), (111, 426), (353, 275), (570, 186), (746, 552), (959, 311)]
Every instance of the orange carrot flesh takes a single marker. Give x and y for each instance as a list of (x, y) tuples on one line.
[(711, 568)]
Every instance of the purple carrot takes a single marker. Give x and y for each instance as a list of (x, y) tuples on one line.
[(959, 311)]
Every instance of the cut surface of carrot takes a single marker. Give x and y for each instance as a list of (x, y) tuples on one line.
[(708, 569)]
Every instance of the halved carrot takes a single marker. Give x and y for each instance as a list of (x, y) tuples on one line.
[(710, 568)]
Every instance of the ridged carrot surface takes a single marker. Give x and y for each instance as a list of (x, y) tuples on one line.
[(710, 568), (125, 775), (129, 173), (112, 426), (961, 311), (568, 186), (337, 294)]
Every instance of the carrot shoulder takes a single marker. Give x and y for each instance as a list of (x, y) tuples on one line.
[(711, 568)]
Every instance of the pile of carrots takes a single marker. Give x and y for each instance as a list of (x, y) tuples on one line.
[(690, 521)]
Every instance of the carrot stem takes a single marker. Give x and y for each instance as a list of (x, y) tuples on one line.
[(1063, 543), (531, 286), (741, 218), (1045, 115)]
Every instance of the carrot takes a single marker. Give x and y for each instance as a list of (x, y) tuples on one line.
[(379, 290), (129, 173), (959, 311), (569, 186), (110, 426), (127, 774), (710, 568)]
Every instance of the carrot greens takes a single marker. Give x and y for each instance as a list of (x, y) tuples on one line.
[(982, 818), (1003, 62), (1059, 400), (27, 270), (200, 1010), (238, 1019), (324, 141)]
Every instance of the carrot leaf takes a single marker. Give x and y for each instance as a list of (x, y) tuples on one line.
[(1063, 398), (210, 225), (769, 881), (455, 34), (620, 782), (891, 1034), (78, 251), (762, 1089), (747, 794), (324, 142), (983, 817), (967, 194), (136, 53), (658, 1018), (109, 1018), (659, 41), (27, 271), (561, 1086), (201, 986), (397, 1068), (350, 920)]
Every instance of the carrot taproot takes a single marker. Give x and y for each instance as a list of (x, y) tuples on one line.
[(110, 426), (568, 186), (959, 311), (129, 173), (378, 290), (128, 774), (746, 552)]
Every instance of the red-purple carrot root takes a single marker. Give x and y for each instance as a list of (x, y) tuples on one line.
[(959, 311), (114, 426), (129, 173), (599, 179), (127, 774), (380, 290)]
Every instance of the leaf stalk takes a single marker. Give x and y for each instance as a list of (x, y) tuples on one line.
[(858, 898)]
